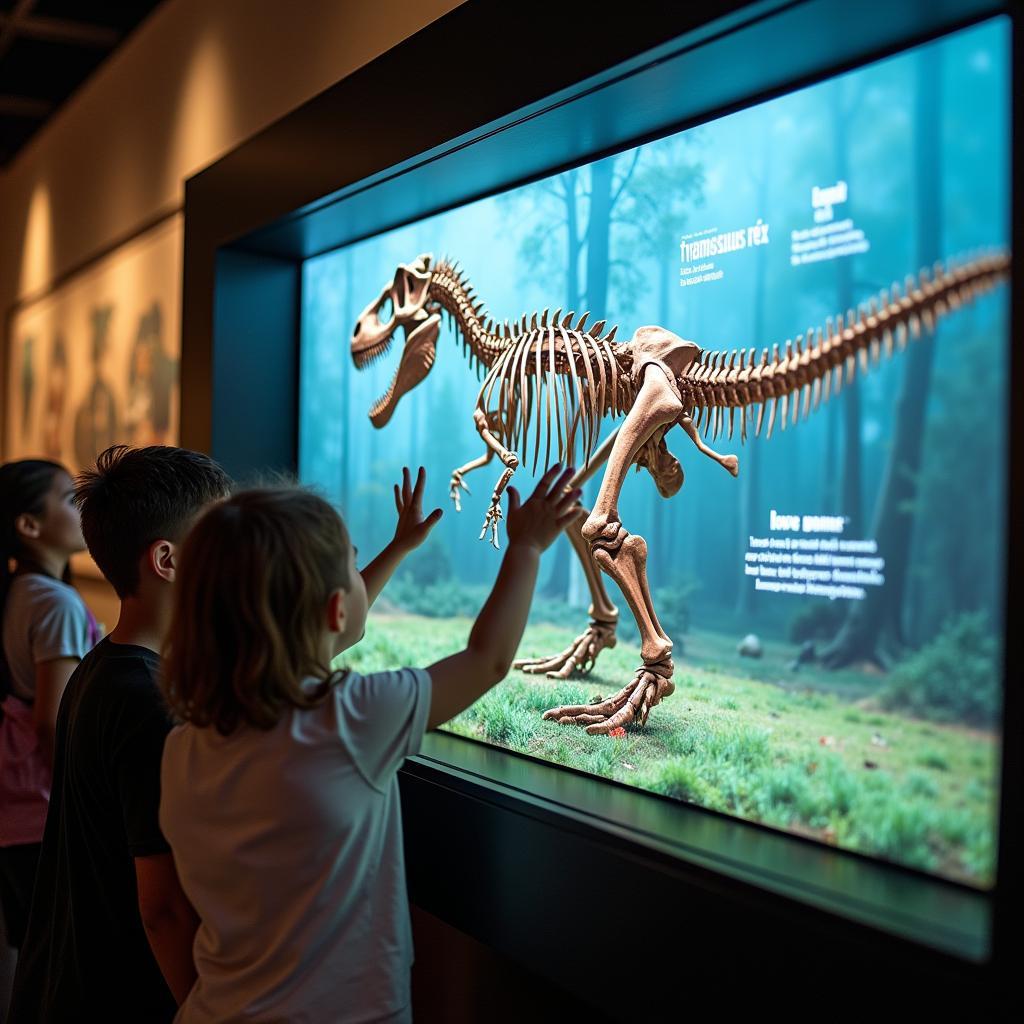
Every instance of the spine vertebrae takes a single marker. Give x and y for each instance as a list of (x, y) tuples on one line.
[(825, 358)]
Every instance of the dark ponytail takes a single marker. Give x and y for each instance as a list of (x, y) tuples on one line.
[(23, 489)]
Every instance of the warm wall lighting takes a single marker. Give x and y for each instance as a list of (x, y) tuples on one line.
[(202, 125), (37, 252)]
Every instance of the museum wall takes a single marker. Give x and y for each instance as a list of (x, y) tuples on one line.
[(108, 171)]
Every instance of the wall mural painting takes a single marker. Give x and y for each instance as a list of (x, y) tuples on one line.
[(95, 362)]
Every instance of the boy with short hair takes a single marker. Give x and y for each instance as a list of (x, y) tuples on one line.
[(110, 932)]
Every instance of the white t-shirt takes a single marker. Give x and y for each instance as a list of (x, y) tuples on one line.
[(289, 845)]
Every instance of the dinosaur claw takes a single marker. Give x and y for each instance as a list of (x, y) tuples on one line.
[(491, 521), (454, 484)]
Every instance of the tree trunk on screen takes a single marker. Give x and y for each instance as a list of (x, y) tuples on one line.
[(658, 568), (850, 492), (750, 465), (556, 586), (873, 627), (598, 236)]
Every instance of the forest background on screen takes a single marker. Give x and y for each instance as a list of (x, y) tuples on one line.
[(884, 738)]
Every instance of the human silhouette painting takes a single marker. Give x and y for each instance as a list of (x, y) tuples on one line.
[(151, 377), (55, 399), (27, 386), (96, 422)]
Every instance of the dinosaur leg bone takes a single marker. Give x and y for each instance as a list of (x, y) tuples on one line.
[(624, 557), (581, 654), (730, 462), (511, 462)]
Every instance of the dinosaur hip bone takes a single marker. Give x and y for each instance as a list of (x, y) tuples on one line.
[(549, 373)]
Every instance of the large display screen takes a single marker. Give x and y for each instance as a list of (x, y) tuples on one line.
[(836, 608)]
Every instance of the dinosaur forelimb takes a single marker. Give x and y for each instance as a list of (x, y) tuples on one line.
[(457, 482), (511, 461), (729, 462)]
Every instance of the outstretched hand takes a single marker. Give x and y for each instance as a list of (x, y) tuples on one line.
[(412, 529), (548, 511)]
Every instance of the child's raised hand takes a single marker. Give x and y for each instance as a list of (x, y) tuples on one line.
[(547, 512), (412, 528)]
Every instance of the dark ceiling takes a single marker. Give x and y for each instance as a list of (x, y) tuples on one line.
[(48, 48)]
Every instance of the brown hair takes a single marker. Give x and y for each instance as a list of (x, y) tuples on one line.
[(255, 575)]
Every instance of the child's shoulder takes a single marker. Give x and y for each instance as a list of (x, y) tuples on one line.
[(381, 718), (391, 694), (383, 684), (45, 592)]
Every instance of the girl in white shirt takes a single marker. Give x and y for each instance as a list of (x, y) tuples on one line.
[(279, 792)]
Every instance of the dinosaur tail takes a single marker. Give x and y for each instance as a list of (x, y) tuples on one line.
[(825, 358)]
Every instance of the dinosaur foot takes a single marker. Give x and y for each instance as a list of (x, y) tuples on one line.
[(491, 521), (579, 656), (454, 485), (632, 704)]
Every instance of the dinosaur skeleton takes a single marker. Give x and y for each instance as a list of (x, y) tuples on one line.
[(551, 371)]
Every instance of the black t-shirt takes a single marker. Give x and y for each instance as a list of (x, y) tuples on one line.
[(86, 955)]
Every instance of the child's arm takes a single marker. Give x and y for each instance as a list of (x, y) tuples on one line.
[(459, 680), (169, 921), (410, 533)]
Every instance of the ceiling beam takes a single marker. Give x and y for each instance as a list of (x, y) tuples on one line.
[(25, 106), (62, 30), (9, 23)]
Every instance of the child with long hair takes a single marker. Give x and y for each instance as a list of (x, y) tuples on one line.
[(279, 792), (46, 631)]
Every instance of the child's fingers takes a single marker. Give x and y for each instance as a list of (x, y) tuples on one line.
[(561, 483), (542, 485), (513, 501), (417, 494), (432, 518), (406, 485), (568, 500), (398, 501)]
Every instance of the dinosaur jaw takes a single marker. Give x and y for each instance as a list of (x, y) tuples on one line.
[(417, 361), (363, 357)]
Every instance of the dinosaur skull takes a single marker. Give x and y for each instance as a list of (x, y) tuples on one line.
[(403, 303)]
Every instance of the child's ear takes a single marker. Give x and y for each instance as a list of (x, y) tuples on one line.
[(336, 611), (162, 559), (27, 526)]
